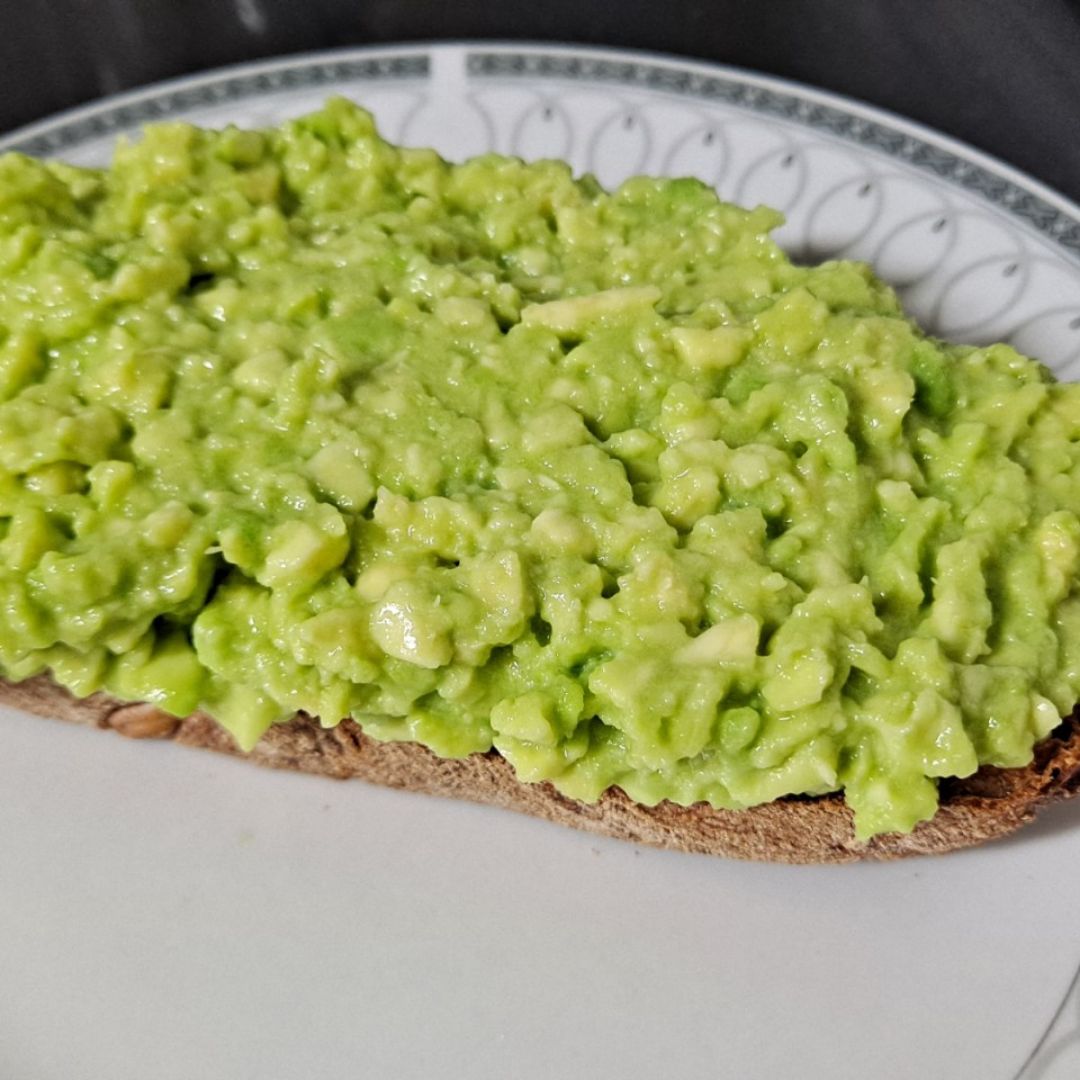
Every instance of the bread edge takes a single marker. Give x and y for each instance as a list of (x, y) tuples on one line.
[(986, 806)]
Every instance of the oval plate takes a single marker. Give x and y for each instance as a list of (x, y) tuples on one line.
[(164, 913)]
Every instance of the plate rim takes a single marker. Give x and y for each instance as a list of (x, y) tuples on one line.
[(1065, 244), (1056, 221)]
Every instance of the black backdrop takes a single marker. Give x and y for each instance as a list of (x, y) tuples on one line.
[(1004, 75)]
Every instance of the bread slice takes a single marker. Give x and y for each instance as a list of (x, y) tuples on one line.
[(991, 804)]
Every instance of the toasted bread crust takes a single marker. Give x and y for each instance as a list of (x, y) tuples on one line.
[(986, 806)]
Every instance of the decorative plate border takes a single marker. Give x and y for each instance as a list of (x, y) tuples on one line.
[(164, 100), (774, 98)]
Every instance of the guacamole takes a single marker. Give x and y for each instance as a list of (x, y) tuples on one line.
[(484, 456)]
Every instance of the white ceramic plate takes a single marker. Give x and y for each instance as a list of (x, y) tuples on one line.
[(168, 914)]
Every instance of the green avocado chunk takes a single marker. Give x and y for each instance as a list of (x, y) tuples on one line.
[(482, 456)]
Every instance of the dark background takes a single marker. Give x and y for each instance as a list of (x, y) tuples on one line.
[(1003, 75)]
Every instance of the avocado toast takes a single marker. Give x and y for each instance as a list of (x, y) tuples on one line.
[(588, 503)]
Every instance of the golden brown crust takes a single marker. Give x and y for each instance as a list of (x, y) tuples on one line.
[(988, 805)]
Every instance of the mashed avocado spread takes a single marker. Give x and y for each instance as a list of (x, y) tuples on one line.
[(484, 456)]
